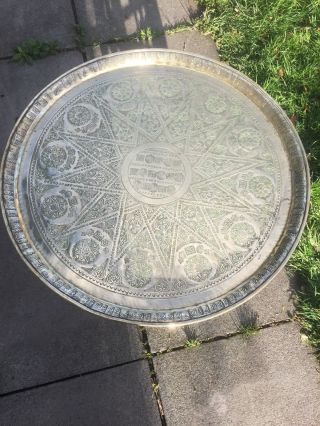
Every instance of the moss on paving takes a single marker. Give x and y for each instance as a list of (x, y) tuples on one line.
[(277, 44)]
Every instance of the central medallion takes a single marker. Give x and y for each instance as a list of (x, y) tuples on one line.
[(156, 173)]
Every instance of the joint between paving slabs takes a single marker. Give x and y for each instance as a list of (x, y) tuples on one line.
[(64, 379), (76, 20), (153, 374), (185, 26), (149, 354), (138, 35)]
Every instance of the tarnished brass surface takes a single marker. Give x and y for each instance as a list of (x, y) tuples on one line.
[(154, 187)]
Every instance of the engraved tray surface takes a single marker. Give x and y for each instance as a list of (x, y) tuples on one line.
[(154, 187)]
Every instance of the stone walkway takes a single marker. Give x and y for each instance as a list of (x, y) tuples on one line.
[(60, 365)]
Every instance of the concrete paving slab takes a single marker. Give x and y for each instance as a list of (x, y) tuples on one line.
[(20, 83), (118, 396), (45, 338), (106, 19), (191, 41), (270, 379), (39, 19), (274, 303)]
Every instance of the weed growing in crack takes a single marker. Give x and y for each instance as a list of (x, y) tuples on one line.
[(145, 34), (192, 343), (32, 49), (248, 330), (179, 27), (155, 388), (80, 37)]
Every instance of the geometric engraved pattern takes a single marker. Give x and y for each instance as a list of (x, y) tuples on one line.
[(154, 187), (155, 184)]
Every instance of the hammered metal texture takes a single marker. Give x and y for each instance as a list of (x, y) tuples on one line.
[(155, 186)]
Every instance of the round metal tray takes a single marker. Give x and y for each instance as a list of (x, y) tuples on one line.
[(154, 187)]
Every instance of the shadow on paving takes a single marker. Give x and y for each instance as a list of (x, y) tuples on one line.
[(62, 365), (190, 41), (37, 19), (104, 20), (119, 396), (43, 338), (56, 359), (273, 304)]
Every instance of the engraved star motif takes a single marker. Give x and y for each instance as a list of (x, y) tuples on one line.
[(157, 174)]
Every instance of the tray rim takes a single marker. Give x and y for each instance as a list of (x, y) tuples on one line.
[(279, 114)]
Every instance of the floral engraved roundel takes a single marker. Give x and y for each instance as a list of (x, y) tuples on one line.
[(157, 184)]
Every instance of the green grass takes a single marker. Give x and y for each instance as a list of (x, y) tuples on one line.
[(306, 261), (32, 49), (277, 44)]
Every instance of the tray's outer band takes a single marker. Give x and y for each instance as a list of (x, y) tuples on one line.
[(279, 255)]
